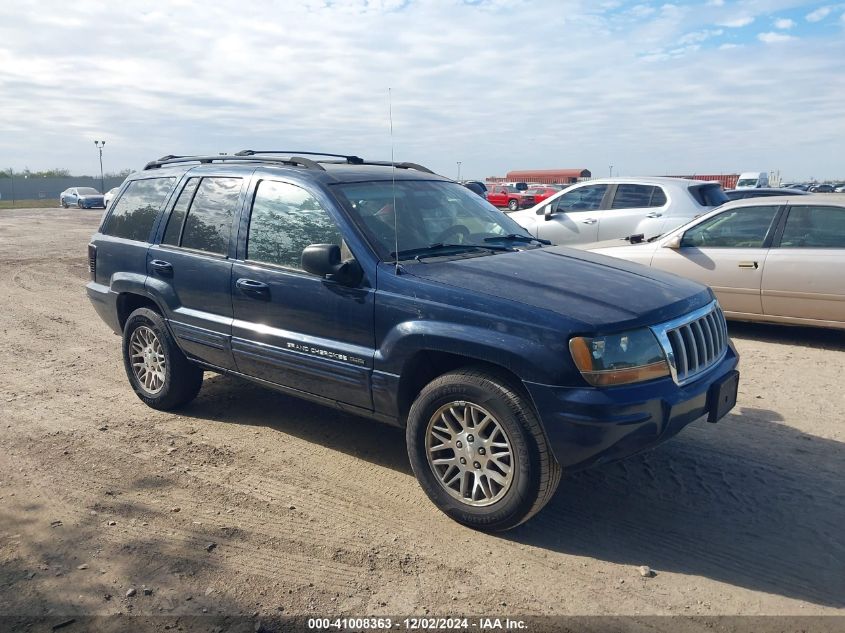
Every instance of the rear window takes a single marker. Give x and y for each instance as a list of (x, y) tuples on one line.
[(638, 196), (133, 215), (709, 195)]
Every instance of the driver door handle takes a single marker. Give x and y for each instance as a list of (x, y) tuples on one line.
[(253, 288), (748, 265), (589, 221), (654, 214)]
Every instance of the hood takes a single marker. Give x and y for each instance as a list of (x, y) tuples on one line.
[(90, 195), (601, 292)]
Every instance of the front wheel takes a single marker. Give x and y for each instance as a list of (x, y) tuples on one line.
[(79, 204), (478, 450), (513, 205), (157, 369), (64, 204)]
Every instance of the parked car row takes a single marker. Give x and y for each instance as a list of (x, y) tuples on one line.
[(816, 187)]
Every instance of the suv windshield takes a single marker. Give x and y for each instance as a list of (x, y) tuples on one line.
[(429, 214)]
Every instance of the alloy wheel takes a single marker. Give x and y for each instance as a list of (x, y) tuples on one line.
[(147, 358)]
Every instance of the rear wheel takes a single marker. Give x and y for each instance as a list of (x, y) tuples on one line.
[(513, 205), (157, 369), (478, 450)]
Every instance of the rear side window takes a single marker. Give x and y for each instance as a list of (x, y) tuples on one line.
[(180, 210), (638, 196), (709, 195), (285, 219), (744, 227), (132, 216), (814, 227), (209, 221)]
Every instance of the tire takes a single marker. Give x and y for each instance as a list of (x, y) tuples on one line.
[(167, 379), (64, 204), (79, 204), (498, 414), (513, 205)]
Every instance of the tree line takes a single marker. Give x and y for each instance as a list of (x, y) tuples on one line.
[(59, 173)]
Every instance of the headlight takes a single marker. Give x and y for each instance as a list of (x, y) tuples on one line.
[(619, 359)]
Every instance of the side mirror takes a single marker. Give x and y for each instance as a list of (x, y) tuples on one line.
[(674, 242), (548, 212), (324, 261)]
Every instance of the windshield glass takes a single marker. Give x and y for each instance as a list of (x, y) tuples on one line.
[(747, 182), (88, 191), (427, 213)]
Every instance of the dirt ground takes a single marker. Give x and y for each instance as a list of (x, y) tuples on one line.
[(251, 502)]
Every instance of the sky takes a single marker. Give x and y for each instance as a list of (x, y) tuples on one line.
[(649, 88)]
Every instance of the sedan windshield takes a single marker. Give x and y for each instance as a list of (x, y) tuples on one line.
[(430, 215), (87, 191)]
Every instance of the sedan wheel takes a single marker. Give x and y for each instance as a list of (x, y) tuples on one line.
[(513, 205)]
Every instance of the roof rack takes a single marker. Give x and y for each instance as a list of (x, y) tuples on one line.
[(350, 159), (171, 159)]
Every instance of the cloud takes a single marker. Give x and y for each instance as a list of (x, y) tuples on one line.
[(772, 37), (784, 23), (715, 3), (739, 22), (497, 85), (819, 14)]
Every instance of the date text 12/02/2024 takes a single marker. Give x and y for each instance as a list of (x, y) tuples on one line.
[(417, 624)]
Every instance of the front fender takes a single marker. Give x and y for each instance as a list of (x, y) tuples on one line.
[(531, 358)]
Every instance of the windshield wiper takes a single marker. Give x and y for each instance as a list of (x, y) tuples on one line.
[(433, 249), (514, 237)]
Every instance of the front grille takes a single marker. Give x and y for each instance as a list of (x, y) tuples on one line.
[(694, 343)]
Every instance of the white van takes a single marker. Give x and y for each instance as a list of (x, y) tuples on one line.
[(752, 180)]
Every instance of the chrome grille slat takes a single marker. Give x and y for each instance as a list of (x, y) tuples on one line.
[(695, 343)]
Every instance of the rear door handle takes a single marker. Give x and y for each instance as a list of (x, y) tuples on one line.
[(589, 221), (253, 288), (748, 265), (161, 267), (654, 214)]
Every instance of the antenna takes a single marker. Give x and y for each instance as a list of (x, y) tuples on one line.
[(393, 178)]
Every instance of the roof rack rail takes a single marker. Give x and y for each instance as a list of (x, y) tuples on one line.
[(350, 159), (170, 159)]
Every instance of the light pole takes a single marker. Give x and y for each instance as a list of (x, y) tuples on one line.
[(610, 169), (12, 176), (100, 145), (459, 171)]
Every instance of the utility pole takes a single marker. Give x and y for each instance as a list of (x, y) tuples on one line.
[(459, 171), (610, 169), (12, 176), (100, 145)]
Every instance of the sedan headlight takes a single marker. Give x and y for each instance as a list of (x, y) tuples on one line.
[(619, 359)]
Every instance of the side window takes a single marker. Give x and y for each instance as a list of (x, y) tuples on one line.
[(658, 197), (133, 215), (285, 219), (814, 227), (209, 221), (177, 216), (587, 198), (744, 227), (631, 197)]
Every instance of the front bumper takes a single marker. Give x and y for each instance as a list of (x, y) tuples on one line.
[(90, 203), (589, 426)]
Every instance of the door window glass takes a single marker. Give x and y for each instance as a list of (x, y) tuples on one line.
[(209, 221), (744, 227), (814, 227), (587, 198), (285, 219), (632, 197), (177, 216), (133, 215)]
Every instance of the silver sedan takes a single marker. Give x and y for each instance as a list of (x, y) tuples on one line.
[(778, 260)]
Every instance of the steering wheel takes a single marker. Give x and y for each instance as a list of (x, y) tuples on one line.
[(460, 232)]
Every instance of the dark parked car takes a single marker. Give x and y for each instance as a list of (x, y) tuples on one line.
[(82, 197), (507, 361), (762, 192), (476, 187), (822, 188)]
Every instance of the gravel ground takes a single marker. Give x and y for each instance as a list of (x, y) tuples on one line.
[(251, 502)]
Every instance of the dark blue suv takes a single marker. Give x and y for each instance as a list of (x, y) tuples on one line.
[(387, 291)]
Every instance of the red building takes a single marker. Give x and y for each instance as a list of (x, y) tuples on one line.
[(544, 176), (728, 180)]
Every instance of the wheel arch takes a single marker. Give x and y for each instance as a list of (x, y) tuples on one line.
[(128, 302)]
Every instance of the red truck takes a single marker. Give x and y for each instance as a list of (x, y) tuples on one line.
[(508, 196)]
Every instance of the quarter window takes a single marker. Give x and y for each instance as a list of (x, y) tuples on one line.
[(587, 198), (285, 219), (743, 227), (209, 221), (814, 227), (133, 215)]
